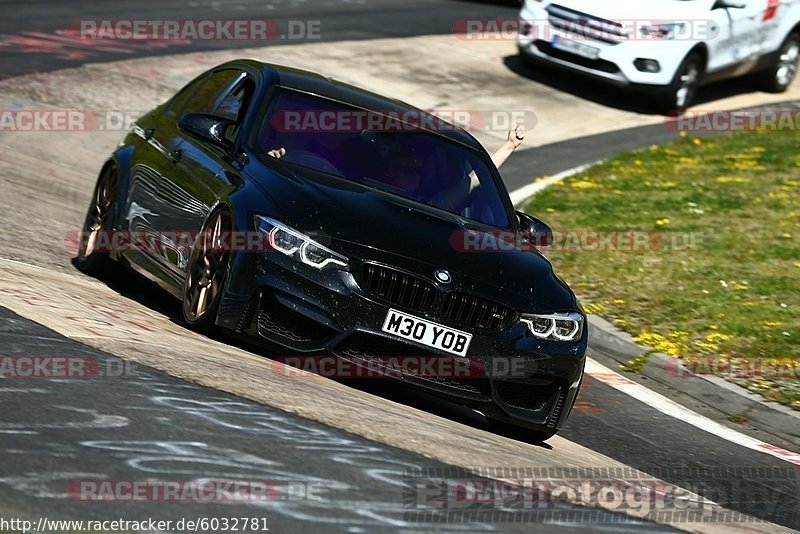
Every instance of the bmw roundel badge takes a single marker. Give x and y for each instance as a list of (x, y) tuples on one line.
[(443, 276)]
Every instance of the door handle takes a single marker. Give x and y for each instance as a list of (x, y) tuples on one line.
[(149, 133), (175, 155)]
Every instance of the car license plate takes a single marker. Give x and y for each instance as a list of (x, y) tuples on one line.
[(427, 333), (576, 48)]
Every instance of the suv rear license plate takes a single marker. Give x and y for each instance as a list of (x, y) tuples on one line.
[(579, 49), (427, 333)]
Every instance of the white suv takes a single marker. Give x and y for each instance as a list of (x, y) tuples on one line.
[(667, 47)]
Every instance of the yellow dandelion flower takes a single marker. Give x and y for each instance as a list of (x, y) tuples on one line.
[(594, 308), (707, 347), (660, 343), (717, 337)]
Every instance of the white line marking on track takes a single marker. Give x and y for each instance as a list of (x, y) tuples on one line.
[(673, 409), (518, 196)]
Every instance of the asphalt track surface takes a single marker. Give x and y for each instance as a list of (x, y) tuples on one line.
[(55, 431), (147, 425), (36, 37)]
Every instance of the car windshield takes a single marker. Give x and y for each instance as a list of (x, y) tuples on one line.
[(380, 152)]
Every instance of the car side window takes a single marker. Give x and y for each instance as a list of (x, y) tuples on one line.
[(179, 100), (204, 99), (233, 105), (229, 105)]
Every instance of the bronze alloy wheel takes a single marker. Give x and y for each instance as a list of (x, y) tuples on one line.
[(208, 267), (90, 258)]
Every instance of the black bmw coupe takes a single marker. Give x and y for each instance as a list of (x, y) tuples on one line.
[(325, 219)]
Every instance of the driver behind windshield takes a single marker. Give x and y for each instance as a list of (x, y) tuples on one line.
[(515, 137), (416, 164)]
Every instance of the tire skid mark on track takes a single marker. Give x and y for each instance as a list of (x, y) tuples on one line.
[(71, 305)]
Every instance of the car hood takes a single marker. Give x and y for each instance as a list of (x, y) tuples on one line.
[(369, 225), (630, 10)]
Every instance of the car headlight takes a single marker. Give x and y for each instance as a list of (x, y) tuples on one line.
[(297, 245), (558, 326), (663, 31)]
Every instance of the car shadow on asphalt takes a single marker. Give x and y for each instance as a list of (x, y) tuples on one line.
[(394, 390), (609, 95), (138, 289)]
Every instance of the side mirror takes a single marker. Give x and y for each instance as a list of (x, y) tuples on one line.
[(536, 231), (733, 4), (207, 127)]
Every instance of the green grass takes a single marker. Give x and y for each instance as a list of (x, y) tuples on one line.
[(636, 364), (738, 418), (734, 292)]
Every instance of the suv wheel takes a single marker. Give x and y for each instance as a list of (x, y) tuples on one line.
[(780, 75), (681, 92)]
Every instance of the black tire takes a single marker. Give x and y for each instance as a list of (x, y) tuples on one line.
[(520, 432), (91, 259), (206, 273), (780, 75), (682, 91)]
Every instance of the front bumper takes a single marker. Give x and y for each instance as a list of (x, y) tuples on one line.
[(615, 62), (307, 311)]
